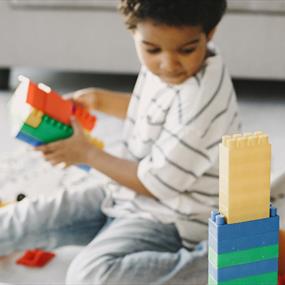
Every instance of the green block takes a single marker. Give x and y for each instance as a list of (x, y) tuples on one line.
[(243, 256), (263, 279), (49, 130)]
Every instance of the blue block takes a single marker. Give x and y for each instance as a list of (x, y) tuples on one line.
[(84, 167), (28, 139), (242, 243), (246, 229), (244, 270)]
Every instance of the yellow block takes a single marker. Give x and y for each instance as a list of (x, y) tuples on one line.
[(4, 204), (244, 192), (35, 118), (96, 142)]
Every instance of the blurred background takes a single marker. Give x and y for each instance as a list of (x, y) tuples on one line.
[(72, 44)]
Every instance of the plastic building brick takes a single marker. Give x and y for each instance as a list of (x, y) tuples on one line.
[(281, 280), (243, 242), (29, 95), (35, 118), (282, 253), (245, 270), (49, 130), (84, 117), (262, 279), (50, 103), (245, 177), (40, 115), (96, 142), (243, 256), (241, 261), (222, 231), (244, 234), (4, 204), (35, 258), (28, 139)]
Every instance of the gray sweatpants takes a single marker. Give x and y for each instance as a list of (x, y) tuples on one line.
[(119, 251)]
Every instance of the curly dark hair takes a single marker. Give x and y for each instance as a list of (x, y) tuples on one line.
[(205, 13)]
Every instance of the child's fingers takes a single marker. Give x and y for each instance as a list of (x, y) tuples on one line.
[(77, 128), (54, 159), (68, 96), (48, 148)]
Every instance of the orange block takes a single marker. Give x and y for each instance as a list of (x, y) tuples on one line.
[(282, 252), (84, 117), (36, 97), (50, 103), (53, 105)]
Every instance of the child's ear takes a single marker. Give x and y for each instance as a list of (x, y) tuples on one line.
[(210, 35)]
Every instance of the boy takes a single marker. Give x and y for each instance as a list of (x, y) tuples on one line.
[(145, 223)]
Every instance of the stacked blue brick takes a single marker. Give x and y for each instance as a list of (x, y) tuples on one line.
[(231, 238), (28, 139)]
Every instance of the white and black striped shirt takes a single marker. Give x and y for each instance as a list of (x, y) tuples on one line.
[(173, 132)]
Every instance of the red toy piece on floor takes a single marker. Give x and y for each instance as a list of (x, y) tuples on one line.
[(35, 258)]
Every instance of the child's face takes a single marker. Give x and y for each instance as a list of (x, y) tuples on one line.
[(172, 53)]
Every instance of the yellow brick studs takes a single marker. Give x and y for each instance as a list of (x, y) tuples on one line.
[(35, 118), (244, 192)]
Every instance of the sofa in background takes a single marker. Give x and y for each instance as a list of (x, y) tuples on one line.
[(89, 35)]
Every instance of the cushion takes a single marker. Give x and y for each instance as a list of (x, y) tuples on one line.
[(248, 6), (65, 3)]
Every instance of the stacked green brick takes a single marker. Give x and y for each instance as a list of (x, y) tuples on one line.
[(243, 253), (49, 130)]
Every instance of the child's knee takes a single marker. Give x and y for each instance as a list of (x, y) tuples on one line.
[(97, 270)]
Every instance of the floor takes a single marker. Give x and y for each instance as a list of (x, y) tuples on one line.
[(262, 106)]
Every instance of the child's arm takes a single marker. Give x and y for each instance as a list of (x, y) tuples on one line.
[(79, 150), (121, 170), (109, 102)]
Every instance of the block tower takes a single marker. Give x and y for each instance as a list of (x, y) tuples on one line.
[(243, 234)]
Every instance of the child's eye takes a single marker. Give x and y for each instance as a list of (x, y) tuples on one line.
[(153, 50), (187, 50)]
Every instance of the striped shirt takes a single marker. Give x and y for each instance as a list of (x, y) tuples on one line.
[(173, 132)]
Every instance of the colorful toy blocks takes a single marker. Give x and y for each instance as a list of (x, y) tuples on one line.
[(49, 102), (40, 115), (244, 233), (244, 192), (239, 252)]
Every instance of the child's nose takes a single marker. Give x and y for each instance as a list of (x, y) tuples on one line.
[(169, 63)]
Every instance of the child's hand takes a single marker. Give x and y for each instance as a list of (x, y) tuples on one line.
[(73, 150), (88, 98)]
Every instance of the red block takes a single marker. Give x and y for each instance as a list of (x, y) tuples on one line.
[(84, 117), (36, 97), (282, 252), (35, 258), (281, 280), (53, 105)]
